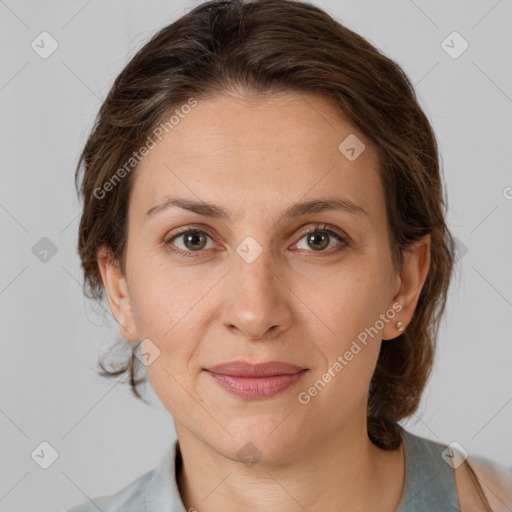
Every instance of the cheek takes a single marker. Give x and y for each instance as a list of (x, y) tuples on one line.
[(351, 348), (350, 310), (351, 302), (161, 297), (167, 319)]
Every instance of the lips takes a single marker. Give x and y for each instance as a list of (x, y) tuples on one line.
[(244, 369), (256, 381)]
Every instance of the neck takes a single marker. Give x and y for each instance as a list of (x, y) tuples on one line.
[(343, 472)]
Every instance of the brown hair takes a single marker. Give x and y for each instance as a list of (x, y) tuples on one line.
[(267, 46)]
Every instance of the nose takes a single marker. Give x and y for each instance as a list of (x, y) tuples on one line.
[(256, 299)]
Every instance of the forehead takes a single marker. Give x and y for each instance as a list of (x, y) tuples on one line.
[(256, 151)]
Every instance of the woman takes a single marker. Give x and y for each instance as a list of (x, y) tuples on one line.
[(263, 208)]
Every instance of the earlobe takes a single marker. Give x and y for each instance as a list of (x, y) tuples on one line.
[(412, 278), (116, 290)]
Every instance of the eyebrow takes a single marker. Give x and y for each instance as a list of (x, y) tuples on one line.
[(303, 208)]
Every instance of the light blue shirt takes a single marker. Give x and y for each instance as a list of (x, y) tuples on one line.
[(429, 484)]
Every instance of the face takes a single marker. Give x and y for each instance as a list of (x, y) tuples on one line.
[(254, 283)]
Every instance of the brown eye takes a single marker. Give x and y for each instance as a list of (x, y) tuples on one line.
[(192, 240), (319, 239)]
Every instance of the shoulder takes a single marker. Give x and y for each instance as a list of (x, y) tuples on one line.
[(156, 489), (494, 479), (465, 483), (128, 499)]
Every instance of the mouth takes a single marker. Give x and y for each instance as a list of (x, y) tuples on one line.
[(256, 381)]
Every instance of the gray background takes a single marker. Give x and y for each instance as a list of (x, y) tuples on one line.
[(52, 336)]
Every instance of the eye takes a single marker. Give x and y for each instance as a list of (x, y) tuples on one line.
[(193, 240), (319, 238)]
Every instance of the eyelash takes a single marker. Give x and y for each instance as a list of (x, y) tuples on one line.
[(318, 228)]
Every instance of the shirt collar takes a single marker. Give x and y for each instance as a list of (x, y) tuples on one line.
[(162, 492)]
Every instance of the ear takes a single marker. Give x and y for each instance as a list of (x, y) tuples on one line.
[(116, 289), (411, 279)]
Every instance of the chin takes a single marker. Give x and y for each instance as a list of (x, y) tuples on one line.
[(256, 442)]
